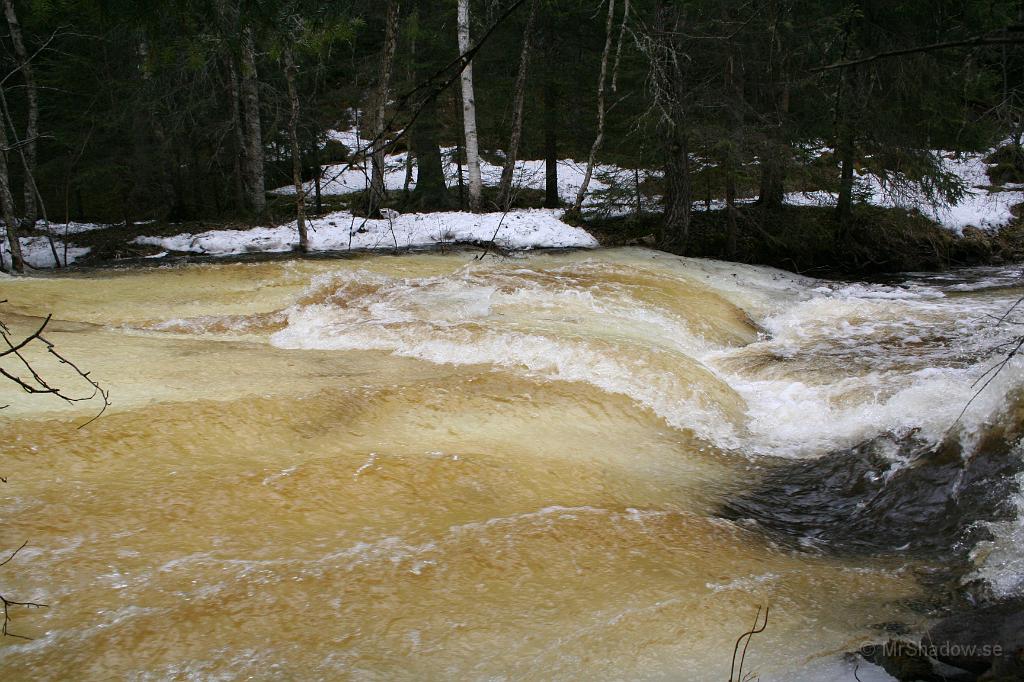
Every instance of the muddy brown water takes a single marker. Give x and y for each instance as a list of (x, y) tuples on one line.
[(430, 467)]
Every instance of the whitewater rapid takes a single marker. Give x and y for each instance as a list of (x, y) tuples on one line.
[(748, 358)]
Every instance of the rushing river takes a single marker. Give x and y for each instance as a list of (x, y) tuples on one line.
[(569, 466)]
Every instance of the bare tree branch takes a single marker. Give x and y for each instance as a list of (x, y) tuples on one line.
[(1009, 36), (35, 383), (8, 603)]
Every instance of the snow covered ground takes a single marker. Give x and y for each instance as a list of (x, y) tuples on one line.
[(982, 206), (38, 254), (341, 231), (529, 174)]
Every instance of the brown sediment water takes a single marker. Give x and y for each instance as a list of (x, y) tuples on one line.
[(430, 467)]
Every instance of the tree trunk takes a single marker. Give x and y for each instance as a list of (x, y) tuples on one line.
[(431, 193), (577, 205), (227, 12), (387, 58), (730, 211), (317, 178), (238, 157), (7, 207), (469, 112), (773, 176), (408, 174), (844, 205), (458, 164), (252, 156), (551, 197), (32, 121), (508, 170), (776, 147), (290, 70), (676, 230)]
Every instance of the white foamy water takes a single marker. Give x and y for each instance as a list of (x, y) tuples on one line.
[(826, 366)]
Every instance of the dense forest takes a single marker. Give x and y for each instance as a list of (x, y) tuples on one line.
[(184, 111)]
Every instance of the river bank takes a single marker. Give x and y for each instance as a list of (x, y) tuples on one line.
[(808, 240), (801, 239)]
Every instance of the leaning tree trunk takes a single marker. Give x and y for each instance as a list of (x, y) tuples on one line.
[(469, 111), (387, 58), (7, 206), (32, 119), (508, 170), (599, 140), (290, 70), (252, 156)]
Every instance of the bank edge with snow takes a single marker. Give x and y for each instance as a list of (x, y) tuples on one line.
[(341, 231)]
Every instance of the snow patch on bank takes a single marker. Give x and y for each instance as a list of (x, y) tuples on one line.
[(37, 253), (982, 205), (339, 179), (518, 230)]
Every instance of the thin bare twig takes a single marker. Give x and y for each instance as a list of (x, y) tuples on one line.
[(745, 637), (988, 376), (8, 603), (35, 383)]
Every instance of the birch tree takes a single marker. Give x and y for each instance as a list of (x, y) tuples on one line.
[(577, 206), (387, 58), (290, 71), (508, 170), (469, 110)]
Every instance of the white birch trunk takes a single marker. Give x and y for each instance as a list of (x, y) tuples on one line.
[(577, 205), (469, 112)]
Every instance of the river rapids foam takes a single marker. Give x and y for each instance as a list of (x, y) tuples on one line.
[(748, 359)]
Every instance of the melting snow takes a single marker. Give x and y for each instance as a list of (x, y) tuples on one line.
[(342, 231)]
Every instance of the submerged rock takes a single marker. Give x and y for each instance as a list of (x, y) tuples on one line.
[(902, 496), (981, 644), (987, 640), (887, 495)]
